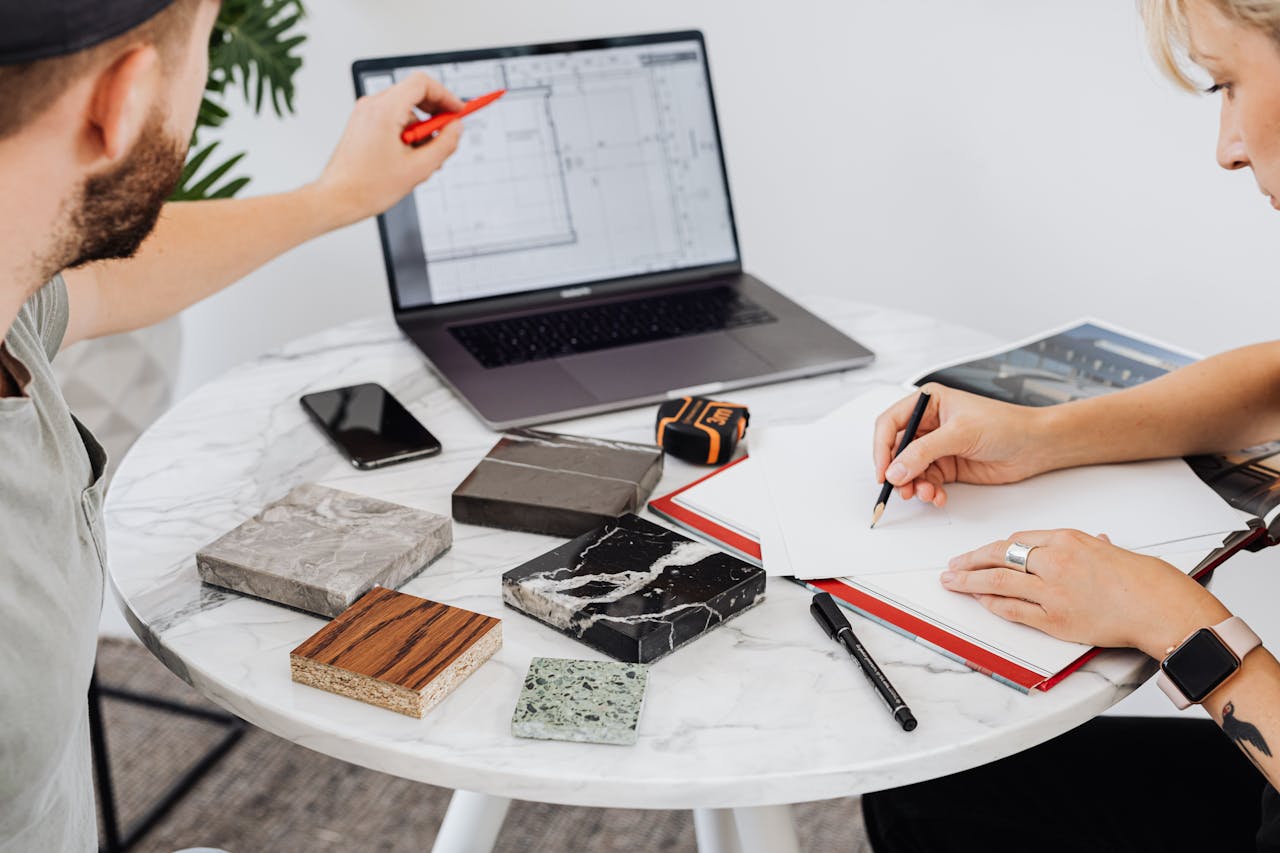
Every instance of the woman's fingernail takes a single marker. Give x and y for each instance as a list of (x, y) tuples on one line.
[(953, 562), (896, 472), (948, 577)]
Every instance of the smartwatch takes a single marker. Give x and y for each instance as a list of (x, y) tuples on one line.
[(1193, 669)]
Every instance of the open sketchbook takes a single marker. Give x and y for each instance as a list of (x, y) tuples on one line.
[(730, 507), (782, 507)]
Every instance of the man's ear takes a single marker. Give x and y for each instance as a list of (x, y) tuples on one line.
[(121, 102)]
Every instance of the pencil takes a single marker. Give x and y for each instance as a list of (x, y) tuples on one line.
[(908, 436)]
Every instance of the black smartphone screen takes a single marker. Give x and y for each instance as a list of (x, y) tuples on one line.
[(369, 425)]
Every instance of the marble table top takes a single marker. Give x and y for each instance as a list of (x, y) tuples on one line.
[(763, 710)]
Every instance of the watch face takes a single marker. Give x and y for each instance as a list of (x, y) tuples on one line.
[(1200, 664)]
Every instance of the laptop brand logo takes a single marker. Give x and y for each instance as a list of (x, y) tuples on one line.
[(574, 292)]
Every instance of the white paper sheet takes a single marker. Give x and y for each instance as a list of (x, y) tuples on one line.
[(737, 498), (821, 481)]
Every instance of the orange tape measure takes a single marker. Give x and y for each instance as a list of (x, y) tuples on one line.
[(700, 430)]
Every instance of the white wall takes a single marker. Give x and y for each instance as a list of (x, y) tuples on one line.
[(1005, 164)]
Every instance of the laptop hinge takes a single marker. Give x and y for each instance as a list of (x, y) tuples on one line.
[(551, 297)]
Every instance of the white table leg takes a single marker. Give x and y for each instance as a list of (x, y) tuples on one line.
[(766, 829), (715, 831), (471, 824)]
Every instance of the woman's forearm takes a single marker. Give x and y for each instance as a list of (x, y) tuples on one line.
[(1247, 706), (1223, 403)]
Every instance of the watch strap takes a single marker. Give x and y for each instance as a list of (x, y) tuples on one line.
[(1234, 634), (1237, 636)]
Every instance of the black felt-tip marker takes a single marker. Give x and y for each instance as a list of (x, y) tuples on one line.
[(827, 612)]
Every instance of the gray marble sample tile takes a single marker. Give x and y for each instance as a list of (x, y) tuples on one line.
[(580, 700), (560, 485), (319, 549), (633, 589)]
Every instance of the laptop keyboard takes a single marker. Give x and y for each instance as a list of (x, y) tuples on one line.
[(570, 331)]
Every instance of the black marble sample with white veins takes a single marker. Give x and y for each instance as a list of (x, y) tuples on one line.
[(560, 485), (319, 549), (632, 589)]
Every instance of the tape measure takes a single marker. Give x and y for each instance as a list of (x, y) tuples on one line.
[(699, 430)]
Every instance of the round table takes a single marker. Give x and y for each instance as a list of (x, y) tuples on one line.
[(762, 712)]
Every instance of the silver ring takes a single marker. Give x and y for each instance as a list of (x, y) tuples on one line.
[(1016, 554)]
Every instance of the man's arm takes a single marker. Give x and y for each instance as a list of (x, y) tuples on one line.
[(198, 248)]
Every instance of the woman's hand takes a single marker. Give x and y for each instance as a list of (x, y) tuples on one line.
[(1084, 589), (962, 438), (371, 169)]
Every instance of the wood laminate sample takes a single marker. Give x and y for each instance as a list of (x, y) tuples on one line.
[(396, 651)]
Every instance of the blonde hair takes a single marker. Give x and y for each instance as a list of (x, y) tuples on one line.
[(1166, 22)]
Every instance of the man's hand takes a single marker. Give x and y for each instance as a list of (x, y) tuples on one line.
[(189, 256), (371, 169), (1084, 589)]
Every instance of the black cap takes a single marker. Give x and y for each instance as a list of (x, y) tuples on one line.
[(905, 719), (828, 615), (40, 29)]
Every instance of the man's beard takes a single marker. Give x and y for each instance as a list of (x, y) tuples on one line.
[(118, 209)]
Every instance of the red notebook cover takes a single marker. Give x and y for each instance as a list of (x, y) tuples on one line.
[(873, 607)]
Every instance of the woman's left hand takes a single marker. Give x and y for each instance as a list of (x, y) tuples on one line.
[(1082, 588)]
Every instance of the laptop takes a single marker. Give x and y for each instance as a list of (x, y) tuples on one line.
[(578, 253)]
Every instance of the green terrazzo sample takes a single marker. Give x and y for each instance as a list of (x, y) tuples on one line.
[(582, 700)]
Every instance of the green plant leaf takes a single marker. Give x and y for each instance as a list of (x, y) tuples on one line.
[(193, 187), (211, 114), (252, 46), (252, 49)]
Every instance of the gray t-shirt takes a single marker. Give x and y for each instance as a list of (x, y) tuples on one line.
[(52, 561)]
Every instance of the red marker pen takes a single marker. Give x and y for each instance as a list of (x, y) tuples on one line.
[(418, 131)]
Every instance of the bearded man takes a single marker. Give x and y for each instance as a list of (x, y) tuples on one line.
[(98, 99)]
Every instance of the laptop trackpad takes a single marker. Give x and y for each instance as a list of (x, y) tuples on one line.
[(647, 369)]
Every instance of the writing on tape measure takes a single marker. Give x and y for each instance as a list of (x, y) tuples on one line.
[(701, 430)]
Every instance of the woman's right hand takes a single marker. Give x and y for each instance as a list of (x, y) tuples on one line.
[(962, 438)]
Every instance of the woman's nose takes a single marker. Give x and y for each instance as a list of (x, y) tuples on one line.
[(1232, 153)]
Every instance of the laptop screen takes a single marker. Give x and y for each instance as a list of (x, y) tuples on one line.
[(601, 162)]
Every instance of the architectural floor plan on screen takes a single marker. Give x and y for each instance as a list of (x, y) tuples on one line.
[(595, 165)]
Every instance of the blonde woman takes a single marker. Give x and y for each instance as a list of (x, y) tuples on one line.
[(1120, 784)]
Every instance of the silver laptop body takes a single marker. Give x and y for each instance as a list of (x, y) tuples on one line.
[(578, 253)]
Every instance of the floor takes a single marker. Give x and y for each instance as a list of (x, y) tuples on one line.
[(270, 795)]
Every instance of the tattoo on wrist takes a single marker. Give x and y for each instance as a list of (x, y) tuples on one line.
[(1246, 735)]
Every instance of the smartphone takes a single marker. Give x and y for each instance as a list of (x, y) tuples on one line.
[(370, 427)]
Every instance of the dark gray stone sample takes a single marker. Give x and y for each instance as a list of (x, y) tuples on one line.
[(632, 589), (559, 485), (319, 549)]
